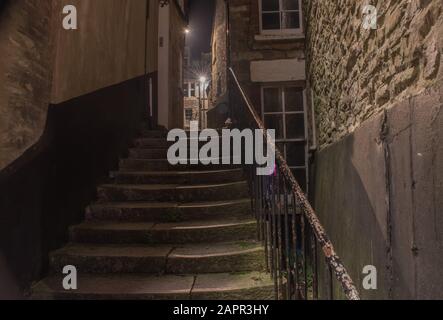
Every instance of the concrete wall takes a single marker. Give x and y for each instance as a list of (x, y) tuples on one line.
[(25, 75), (379, 196), (108, 47), (357, 73), (176, 62), (152, 37)]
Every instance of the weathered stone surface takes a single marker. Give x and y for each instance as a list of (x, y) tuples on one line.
[(214, 233), (245, 286), (213, 258), (168, 212), (241, 286), (168, 193), (179, 177), (25, 75), (117, 287), (175, 233), (357, 73)]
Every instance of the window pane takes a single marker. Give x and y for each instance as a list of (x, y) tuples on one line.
[(296, 154), (272, 100), (300, 176), (290, 5), (271, 21), (275, 122), (295, 126), (294, 99), (270, 5), (290, 20)]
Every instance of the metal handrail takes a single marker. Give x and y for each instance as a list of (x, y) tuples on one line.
[(332, 258)]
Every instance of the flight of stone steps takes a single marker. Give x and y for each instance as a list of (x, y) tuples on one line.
[(164, 232)]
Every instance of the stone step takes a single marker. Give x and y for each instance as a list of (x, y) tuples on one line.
[(173, 193), (168, 212), (151, 153), (179, 177), (164, 259), (242, 286), (153, 134), (166, 233), (152, 142), (131, 165)]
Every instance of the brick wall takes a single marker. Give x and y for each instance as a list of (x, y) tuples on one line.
[(356, 73)]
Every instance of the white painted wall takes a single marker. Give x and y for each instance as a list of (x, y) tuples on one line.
[(163, 66), (278, 70)]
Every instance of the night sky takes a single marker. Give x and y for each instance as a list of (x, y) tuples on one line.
[(200, 19)]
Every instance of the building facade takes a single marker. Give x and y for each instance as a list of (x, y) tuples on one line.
[(263, 42)]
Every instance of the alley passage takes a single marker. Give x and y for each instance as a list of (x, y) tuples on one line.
[(164, 232)]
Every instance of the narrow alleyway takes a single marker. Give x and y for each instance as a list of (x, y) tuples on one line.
[(164, 232)]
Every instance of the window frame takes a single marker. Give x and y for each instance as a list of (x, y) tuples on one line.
[(281, 87), (281, 31)]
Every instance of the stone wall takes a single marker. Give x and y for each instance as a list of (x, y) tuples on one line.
[(378, 176), (357, 73), (25, 75)]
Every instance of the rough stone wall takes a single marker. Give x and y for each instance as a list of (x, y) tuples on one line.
[(25, 75), (356, 73)]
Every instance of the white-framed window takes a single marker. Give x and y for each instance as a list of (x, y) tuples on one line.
[(192, 89), (284, 109), (280, 16)]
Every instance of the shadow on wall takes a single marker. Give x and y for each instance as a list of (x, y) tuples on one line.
[(3, 4), (349, 200), (48, 188), (9, 288)]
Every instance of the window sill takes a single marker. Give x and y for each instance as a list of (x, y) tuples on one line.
[(280, 36)]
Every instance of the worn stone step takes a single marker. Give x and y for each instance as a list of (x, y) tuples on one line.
[(116, 287), (150, 142), (168, 212), (173, 193), (173, 259), (137, 165), (218, 257), (153, 134), (233, 286), (148, 153), (179, 177), (226, 286), (164, 233)]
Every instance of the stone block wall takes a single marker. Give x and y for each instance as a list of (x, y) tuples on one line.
[(357, 73), (25, 74)]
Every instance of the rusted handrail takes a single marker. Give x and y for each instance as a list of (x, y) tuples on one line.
[(332, 258)]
